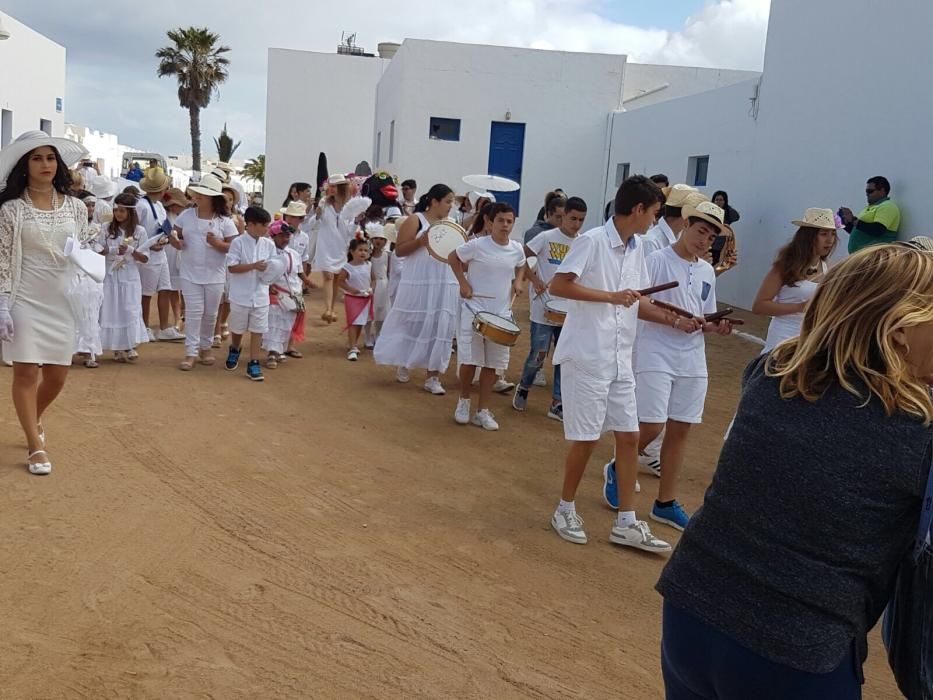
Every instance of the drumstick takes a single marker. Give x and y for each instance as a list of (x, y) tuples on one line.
[(659, 288), (719, 314), (482, 296), (670, 307)]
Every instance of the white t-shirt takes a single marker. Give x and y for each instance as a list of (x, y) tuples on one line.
[(659, 236), (245, 287), (300, 242), (289, 279), (550, 248), (151, 216), (491, 271), (359, 276), (661, 348), (202, 263)]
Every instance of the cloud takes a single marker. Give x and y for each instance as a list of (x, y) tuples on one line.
[(112, 84)]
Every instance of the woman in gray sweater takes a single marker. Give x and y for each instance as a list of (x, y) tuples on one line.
[(816, 499)]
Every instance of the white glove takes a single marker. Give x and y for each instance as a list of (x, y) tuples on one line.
[(6, 320)]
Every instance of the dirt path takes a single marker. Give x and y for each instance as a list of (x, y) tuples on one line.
[(326, 534)]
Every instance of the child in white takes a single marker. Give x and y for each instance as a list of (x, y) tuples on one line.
[(286, 305), (380, 262), (493, 279), (249, 256), (357, 281), (121, 318), (86, 297)]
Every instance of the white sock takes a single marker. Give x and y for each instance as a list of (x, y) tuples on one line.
[(625, 518), (566, 506)]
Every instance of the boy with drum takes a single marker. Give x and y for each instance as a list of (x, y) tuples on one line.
[(549, 248), (599, 275), (493, 279)]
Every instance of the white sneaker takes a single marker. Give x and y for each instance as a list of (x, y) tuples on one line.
[(462, 414), (502, 386), (569, 526), (434, 386), (402, 376), (353, 354), (170, 334), (485, 420), (540, 379), (649, 464), (152, 337), (639, 536)]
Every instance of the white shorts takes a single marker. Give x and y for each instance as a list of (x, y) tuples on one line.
[(594, 405), (155, 277), (254, 319), (474, 349), (663, 397)]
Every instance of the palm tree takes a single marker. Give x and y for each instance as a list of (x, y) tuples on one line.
[(198, 63), (255, 169), (225, 146)]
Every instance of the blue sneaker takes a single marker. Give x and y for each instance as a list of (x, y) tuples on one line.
[(610, 488), (254, 371), (673, 515), (233, 358)]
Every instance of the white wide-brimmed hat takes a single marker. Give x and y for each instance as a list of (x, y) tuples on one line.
[(210, 185), (295, 208), (711, 214), (337, 179), (676, 195), (102, 187), (376, 230), (70, 151), (393, 212), (817, 218), (474, 197), (221, 174)]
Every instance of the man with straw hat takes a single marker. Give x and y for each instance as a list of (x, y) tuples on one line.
[(672, 222), (155, 275)]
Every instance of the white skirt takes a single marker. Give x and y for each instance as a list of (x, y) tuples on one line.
[(330, 251), (280, 329), (419, 328), (121, 316)]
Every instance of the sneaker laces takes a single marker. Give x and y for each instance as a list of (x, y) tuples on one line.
[(646, 536), (574, 521)]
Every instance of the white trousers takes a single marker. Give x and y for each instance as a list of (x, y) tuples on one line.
[(202, 302)]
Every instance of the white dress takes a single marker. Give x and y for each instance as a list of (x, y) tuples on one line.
[(419, 329), (381, 290), (121, 316), (333, 238), (783, 327)]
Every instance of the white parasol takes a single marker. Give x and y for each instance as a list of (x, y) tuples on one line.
[(493, 183)]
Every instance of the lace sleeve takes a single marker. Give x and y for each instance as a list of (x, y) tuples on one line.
[(83, 230), (7, 224)]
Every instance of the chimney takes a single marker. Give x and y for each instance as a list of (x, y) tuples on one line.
[(387, 49)]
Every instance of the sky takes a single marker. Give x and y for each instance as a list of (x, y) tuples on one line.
[(112, 84)]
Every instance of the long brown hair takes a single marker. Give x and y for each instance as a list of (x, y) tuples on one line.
[(846, 335), (793, 260), (128, 202)]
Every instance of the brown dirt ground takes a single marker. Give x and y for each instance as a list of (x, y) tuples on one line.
[(329, 533)]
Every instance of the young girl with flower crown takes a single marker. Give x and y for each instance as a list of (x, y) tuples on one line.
[(357, 281)]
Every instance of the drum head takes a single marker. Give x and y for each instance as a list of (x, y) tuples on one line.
[(443, 239), (495, 321), (561, 306)]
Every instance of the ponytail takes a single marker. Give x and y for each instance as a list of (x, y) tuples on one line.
[(435, 194)]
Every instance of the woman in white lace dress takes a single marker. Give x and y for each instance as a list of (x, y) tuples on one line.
[(37, 325)]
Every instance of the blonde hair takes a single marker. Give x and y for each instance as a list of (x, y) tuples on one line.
[(846, 336)]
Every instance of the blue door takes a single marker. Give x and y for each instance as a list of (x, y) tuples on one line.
[(506, 149)]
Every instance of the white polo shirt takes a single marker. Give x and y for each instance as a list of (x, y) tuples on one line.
[(550, 248), (659, 236), (300, 242), (245, 287), (202, 263), (600, 336)]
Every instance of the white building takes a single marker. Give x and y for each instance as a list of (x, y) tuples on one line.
[(103, 148), (32, 82)]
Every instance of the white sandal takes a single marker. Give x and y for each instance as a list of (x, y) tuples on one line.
[(39, 468), (41, 435)]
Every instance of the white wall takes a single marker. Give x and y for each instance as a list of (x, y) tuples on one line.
[(644, 82), (317, 102), (105, 149), (32, 77), (564, 100)]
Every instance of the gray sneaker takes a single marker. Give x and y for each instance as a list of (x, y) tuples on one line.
[(639, 536), (520, 398), (569, 526)]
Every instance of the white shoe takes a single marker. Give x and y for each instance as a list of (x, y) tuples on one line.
[(540, 379), (502, 386), (402, 376), (649, 464), (152, 337), (170, 335), (434, 386), (353, 354), (639, 536), (637, 486), (39, 468), (569, 526), (485, 420), (462, 414)]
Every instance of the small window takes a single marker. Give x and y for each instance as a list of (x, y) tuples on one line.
[(697, 169), (378, 147), (46, 126), (443, 129), (392, 141), (622, 170)]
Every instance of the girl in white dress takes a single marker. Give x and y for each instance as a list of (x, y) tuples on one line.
[(380, 261), (121, 318), (357, 280), (221, 331), (419, 330), (286, 308), (792, 280), (37, 326), (203, 235)]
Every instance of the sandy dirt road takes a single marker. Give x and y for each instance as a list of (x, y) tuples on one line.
[(327, 534)]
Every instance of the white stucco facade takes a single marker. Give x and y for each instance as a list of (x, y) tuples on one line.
[(103, 148), (32, 82), (647, 84)]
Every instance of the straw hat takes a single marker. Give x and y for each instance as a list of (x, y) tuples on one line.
[(154, 182), (338, 179), (676, 195), (176, 197), (70, 151), (209, 185), (295, 208), (226, 167), (390, 232), (817, 218), (711, 214), (376, 230), (221, 174), (102, 187), (694, 199)]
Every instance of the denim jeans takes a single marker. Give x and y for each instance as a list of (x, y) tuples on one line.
[(541, 337)]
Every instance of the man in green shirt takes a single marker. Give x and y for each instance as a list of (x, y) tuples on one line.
[(876, 223)]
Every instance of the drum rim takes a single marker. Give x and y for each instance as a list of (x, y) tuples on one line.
[(452, 225), (481, 314), (550, 305)]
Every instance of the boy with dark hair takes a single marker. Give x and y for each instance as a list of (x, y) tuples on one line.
[(408, 202)]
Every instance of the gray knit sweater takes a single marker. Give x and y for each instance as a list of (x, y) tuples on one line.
[(795, 550)]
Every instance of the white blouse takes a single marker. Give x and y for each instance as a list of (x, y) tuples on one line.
[(201, 262)]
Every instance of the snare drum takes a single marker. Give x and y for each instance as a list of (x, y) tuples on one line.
[(555, 311), (443, 239), (496, 329)]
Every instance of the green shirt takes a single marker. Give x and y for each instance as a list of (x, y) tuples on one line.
[(884, 212)]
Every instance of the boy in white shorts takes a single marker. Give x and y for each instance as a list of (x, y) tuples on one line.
[(249, 296), (599, 275), (495, 275)]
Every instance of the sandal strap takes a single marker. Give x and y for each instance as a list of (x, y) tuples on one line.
[(33, 454)]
